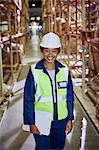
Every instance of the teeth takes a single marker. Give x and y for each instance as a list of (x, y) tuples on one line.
[(50, 58)]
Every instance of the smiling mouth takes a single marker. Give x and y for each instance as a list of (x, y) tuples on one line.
[(49, 58)]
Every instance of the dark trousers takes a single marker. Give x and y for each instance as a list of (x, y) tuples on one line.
[(56, 139)]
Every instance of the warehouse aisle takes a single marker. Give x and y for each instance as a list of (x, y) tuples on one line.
[(12, 137)]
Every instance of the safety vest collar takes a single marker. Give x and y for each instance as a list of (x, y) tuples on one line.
[(40, 65)]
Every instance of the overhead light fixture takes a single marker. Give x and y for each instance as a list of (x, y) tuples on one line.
[(32, 18), (38, 18), (33, 5)]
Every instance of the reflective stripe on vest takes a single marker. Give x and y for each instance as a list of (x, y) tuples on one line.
[(44, 97), (35, 74), (50, 99)]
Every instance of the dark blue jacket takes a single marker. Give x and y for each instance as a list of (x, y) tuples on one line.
[(29, 91)]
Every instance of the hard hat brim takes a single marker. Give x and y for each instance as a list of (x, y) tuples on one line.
[(49, 46)]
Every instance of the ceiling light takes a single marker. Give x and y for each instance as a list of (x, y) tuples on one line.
[(38, 18), (33, 5), (32, 18)]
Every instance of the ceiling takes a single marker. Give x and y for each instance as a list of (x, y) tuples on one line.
[(35, 11)]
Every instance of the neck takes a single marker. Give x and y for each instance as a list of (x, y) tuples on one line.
[(49, 66)]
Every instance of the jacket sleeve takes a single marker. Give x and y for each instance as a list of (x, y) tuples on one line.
[(28, 109), (70, 98)]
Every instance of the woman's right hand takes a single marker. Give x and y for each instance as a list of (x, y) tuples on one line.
[(34, 129)]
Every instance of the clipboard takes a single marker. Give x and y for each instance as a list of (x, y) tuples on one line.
[(42, 121)]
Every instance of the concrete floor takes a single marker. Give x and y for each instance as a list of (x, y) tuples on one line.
[(83, 137)]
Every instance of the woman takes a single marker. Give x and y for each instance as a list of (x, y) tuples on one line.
[(48, 94)]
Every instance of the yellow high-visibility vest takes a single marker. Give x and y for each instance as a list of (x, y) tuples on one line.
[(44, 95)]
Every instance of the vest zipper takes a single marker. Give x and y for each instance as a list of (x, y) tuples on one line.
[(55, 113), (56, 104)]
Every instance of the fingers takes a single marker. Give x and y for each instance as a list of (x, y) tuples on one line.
[(36, 132), (68, 130), (69, 127), (34, 129)]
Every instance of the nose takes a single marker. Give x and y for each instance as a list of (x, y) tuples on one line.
[(50, 52)]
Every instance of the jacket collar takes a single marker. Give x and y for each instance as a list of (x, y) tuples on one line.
[(40, 65)]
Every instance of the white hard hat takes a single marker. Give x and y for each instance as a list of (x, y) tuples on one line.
[(50, 40)]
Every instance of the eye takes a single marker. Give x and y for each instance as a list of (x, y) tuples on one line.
[(46, 50), (54, 50)]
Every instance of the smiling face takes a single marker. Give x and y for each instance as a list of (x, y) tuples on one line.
[(50, 55)]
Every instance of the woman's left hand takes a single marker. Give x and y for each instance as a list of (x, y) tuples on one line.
[(69, 126)]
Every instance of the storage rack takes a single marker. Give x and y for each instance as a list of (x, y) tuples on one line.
[(14, 22), (77, 24)]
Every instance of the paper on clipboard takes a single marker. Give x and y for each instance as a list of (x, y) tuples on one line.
[(26, 127), (42, 121)]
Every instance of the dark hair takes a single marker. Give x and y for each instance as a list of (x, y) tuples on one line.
[(41, 48)]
